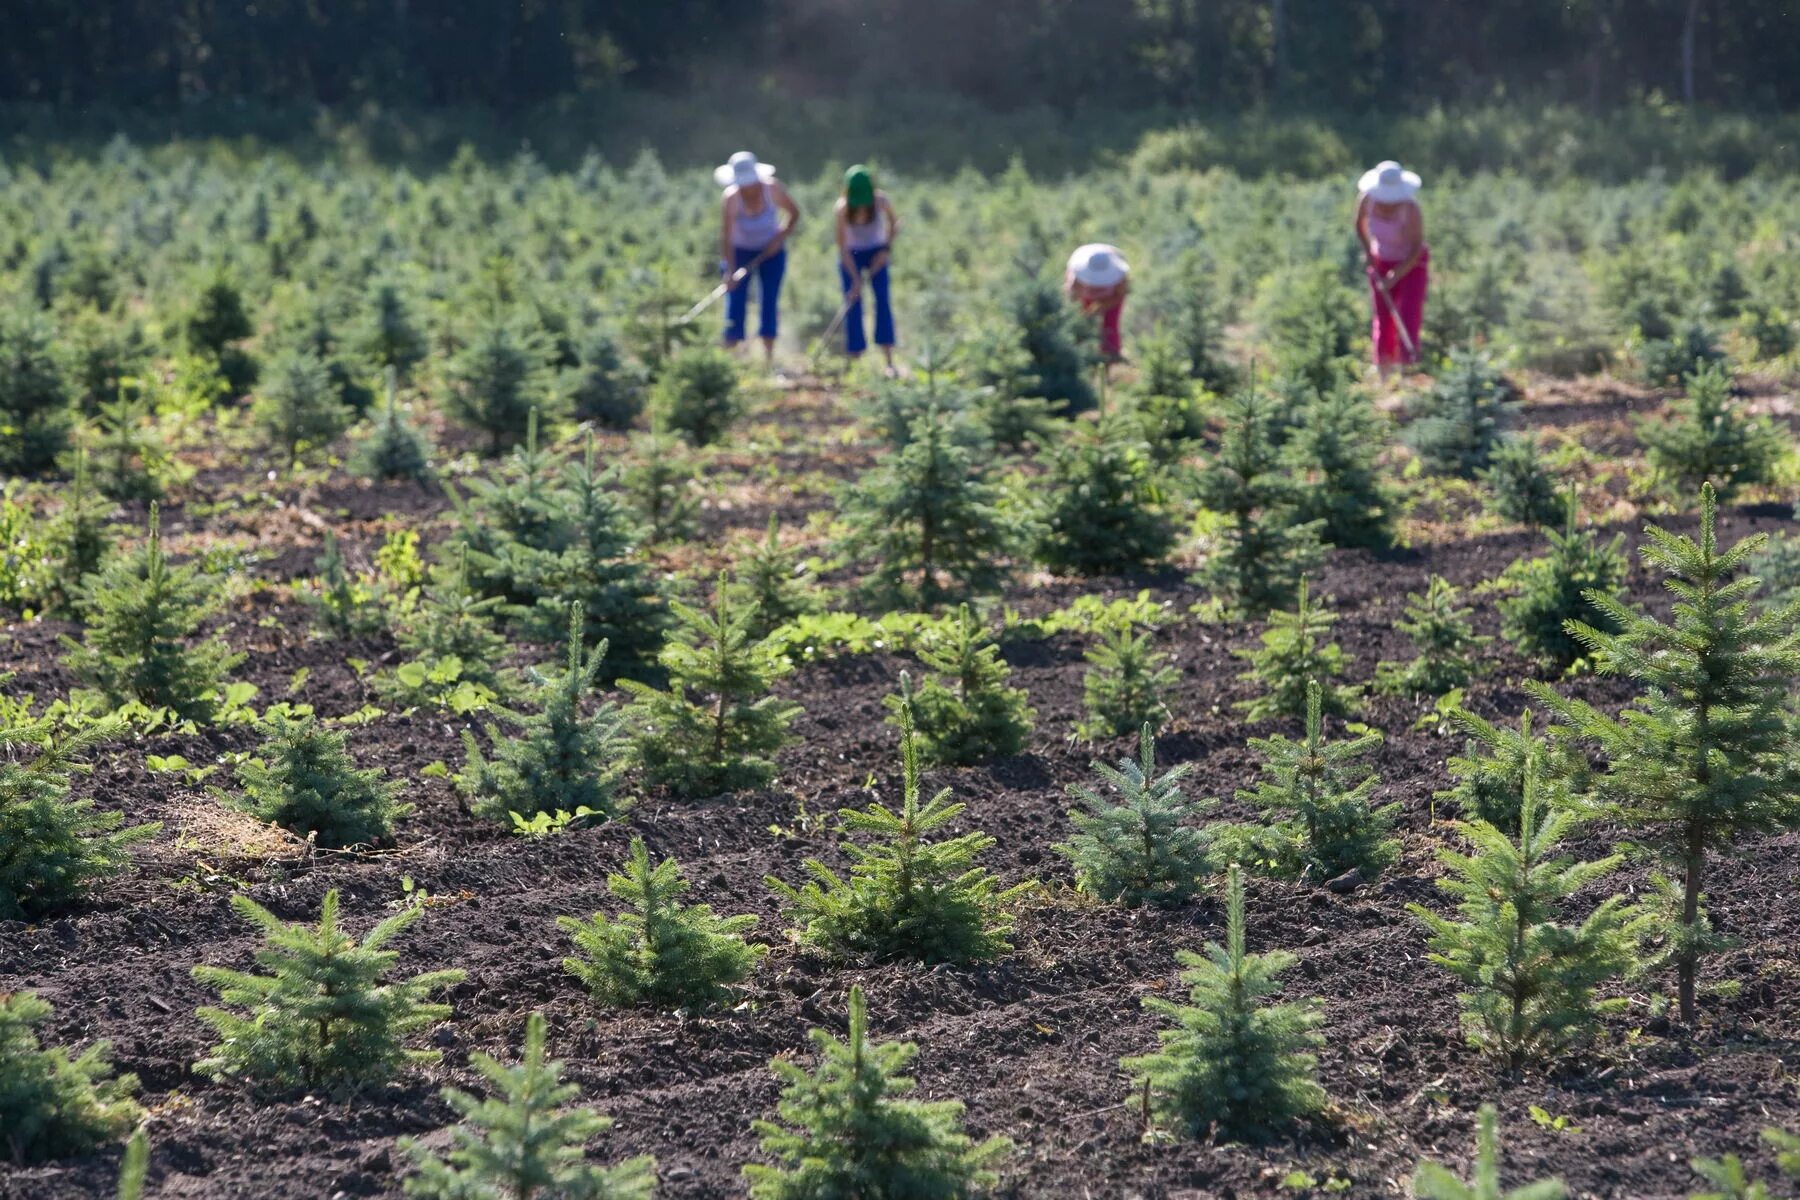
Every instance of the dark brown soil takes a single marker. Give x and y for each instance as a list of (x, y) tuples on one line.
[(1030, 1043)]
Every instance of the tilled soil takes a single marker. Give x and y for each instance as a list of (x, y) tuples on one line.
[(1030, 1043)]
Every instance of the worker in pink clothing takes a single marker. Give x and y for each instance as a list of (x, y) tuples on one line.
[(1392, 231), (1099, 279)]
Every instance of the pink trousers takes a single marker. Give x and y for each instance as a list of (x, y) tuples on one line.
[(1409, 299)]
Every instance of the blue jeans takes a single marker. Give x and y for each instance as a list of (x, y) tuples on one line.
[(855, 338), (768, 275)]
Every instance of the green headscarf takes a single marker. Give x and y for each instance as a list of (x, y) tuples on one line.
[(859, 187)]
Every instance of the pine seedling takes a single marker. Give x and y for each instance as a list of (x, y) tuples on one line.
[(523, 1141), (1708, 440), (1706, 754), (1138, 846), (142, 612), (297, 408), (131, 458), (1440, 631), (964, 712), (660, 488), (1519, 488), (79, 533), (393, 448), (928, 518), (1459, 419), (1531, 978), (450, 621), (387, 335), (1125, 684), (775, 582), (1264, 550), (1331, 455), (905, 897), (1233, 1062), (304, 780), (558, 758), (696, 395), (659, 951), (1727, 1174), (606, 390), (1553, 590), (52, 1103), (322, 1017), (516, 513), (342, 605), (1105, 509), (1317, 793), (715, 728), (845, 1129), (1294, 657), (35, 409), (1432, 1181), (500, 380), (134, 1166), (1490, 772)]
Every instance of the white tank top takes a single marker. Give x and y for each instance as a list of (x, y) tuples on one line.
[(870, 235), (754, 230)]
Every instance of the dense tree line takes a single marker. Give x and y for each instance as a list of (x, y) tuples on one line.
[(1197, 53)]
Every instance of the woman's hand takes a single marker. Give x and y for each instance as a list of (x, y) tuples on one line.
[(878, 263)]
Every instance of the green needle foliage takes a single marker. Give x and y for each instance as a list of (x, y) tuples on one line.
[(500, 379), (1531, 978), (697, 395), (387, 335), (1459, 419), (1233, 1061), (1555, 589), (1142, 847), (607, 390), (304, 780), (53, 1104), (660, 951), (1125, 683), (845, 1129), (297, 408), (142, 611), (928, 518), (35, 413), (131, 456), (1707, 754), (1294, 658), (393, 448), (1432, 1181), (51, 846), (1331, 454), (1734, 1183), (522, 1142), (1318, 796), (1445, 640), (775, 582), (1707, 440), (964, 712), (343, 606), (321, 1017), (79, 534), (450, 621), (906, 897), (558, 758), (715, 728), (1105, 510), (134, 1166), (1519, 488), (660, 487), (1265, 548), (1490, 772)]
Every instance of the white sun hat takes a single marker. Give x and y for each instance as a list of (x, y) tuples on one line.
[(1098, 265), (743, 170), (1388, 183)]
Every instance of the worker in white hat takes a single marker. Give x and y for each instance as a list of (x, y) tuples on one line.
[(756, 216), (1392, 231), (1099, 279)]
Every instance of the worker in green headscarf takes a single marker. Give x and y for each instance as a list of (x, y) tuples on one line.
[(866, 225)]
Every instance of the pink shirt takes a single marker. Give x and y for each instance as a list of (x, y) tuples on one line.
[(1390, 238)]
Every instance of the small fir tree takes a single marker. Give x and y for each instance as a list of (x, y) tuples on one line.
[(54, 1104), (696, 395), (322, 1017), (343, 605), (1490, 772), (131, 459), (387, 335), (1105, 510), (393, 448), (1708, 440), (500, 379), (1554, 590), (297, 408), (964, 712), (1233, 1062), (523, 1141), (606, 390), (1317, 793), (143, 613), (928, 518), (304, 780), (775, 582), (1125, 684), (715, 728), (134, 1166), (1264, 549), (660, 485), (1458, 423), (1439, 629), (79, 536), (1519, 488), (1531, 979), (1331, 456), (1734, 1183), (35, 412), (1432, 1181), (559, 758), (217, 319), (1706, 755), (449, 621), (660, 951), (1293, 657), (905, 897), (1058, 340), (846, 1130), (1142, 847)]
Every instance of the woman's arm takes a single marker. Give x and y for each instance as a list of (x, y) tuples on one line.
[(725, 254), (841, 217), (1362, 227), (880, 261), (786, 204), (1415, 222)]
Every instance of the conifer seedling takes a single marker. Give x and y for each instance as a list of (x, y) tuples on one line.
[(142, 612), (696, 395), (35, 412), (523, 1142), (52, 1103), (322, 1016), (387, 335), (1553, 590), (905, 897), (134, 1166), (1432, 1181), (343, 605), (393, 448), (1126, 683), (1519, 487), (304, 780), (846, 1130), (775, 582), (659, 951), (1733, 1182), (964, 712), (1293, 657), (79, 533), (501, 380), (297, 408), (1233, 1062), (1105, 508), (450, 621), (1439, 628), (1706, 755), (660, 487), (1708, 440), (1140, 845), (1331, 455), (1490, 772)]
